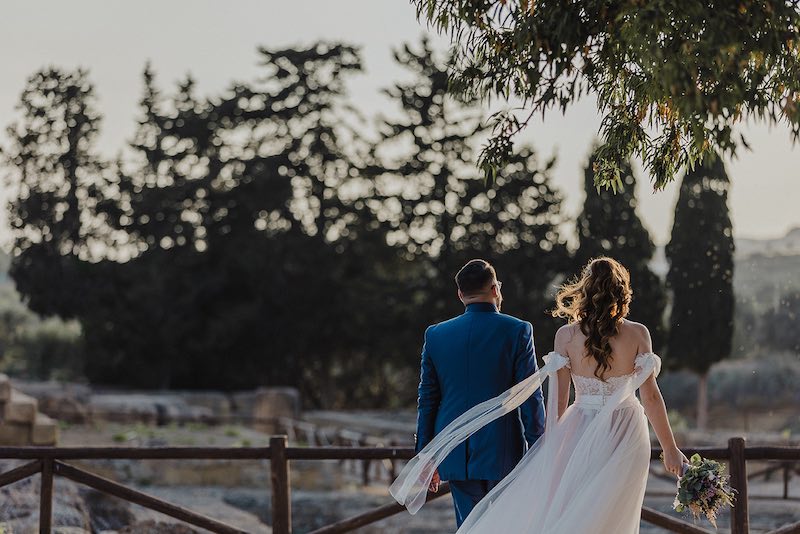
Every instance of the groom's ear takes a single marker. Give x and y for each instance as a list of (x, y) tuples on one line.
[(460, 296)]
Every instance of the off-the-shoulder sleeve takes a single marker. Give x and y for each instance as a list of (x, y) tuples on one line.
[(557, 359), (648, 360)]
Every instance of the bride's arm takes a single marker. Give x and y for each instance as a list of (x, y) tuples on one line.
[(564, 384), (656, 411), (560, 346)]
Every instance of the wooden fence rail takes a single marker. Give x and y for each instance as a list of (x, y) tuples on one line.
[(50, 462)]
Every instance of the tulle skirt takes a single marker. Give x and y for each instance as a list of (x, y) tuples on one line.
[(587, 475)]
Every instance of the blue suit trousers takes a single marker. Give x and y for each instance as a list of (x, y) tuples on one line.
[(467, 494)]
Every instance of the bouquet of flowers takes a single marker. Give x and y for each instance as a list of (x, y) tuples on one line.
[(703, 489)]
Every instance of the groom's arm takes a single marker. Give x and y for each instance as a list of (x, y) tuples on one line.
[(532, 410), (428, 397)]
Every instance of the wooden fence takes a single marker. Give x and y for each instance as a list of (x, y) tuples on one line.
[(52, 461)]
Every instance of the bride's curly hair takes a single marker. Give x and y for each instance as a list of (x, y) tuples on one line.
[(598, 300)]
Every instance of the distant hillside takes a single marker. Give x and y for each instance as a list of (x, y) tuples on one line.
[(753, 261), (762, 280), (788, 245)]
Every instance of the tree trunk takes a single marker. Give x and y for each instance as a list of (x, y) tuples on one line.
[(702, 401)]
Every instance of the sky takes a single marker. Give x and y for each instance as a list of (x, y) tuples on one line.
[(216, 42)]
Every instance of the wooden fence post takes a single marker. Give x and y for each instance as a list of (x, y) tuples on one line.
[(740, 516), (281, 492), (362, 442), (46, 497), (786, 477), (392, 465)]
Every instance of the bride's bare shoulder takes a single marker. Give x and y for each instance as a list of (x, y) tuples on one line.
[(568, 331), (564, 337), (633, 326), (638, 334)]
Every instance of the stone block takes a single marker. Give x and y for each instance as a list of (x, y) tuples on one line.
[(121, 407), (15, 434), (273, 403), (5, 388), (63, 401), (44, 431), (218, 404), (65, 409), (242, 403), (20, 408)]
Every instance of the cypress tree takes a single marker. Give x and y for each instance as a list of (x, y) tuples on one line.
[(609, 225), (700, 276)]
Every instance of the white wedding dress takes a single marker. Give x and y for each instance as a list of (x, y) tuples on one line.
[(586, 475)]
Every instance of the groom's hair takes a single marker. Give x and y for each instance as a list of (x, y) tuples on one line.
[(475, 277)]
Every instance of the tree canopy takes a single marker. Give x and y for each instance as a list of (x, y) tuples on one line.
[(430, 183), (672, 79), (252, 237)]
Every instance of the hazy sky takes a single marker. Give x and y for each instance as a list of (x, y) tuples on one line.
[(216, 42)]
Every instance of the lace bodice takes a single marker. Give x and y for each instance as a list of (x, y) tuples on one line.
[(590, 385)]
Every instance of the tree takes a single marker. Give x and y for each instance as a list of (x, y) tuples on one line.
[(228, 230), (56, 181), (256, 259), (422, 165), (671, 79), (235, 209), (609, 225), (440, 214), (253, 238), (516, 223), (700, 253)]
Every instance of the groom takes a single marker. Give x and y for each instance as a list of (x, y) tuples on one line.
[(465, 361)]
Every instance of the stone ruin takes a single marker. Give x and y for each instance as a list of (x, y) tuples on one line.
[(20, 421)]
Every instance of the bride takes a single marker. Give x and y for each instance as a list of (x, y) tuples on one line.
[(588, 473)]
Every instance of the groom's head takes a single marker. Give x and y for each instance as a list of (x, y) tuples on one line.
[(477, 282)]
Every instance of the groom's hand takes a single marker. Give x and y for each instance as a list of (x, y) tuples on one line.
[(435, 482)]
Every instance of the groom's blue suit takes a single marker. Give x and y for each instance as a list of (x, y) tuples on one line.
[(465, 361)]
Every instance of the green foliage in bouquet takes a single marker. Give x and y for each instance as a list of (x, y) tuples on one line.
[(703, 489)]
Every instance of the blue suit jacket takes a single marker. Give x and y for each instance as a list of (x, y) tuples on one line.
[(465, 361)]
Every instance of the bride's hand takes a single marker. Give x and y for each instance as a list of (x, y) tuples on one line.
[(435, 482), (674, 460)]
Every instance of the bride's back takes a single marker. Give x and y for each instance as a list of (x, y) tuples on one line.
[(631, 340)]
